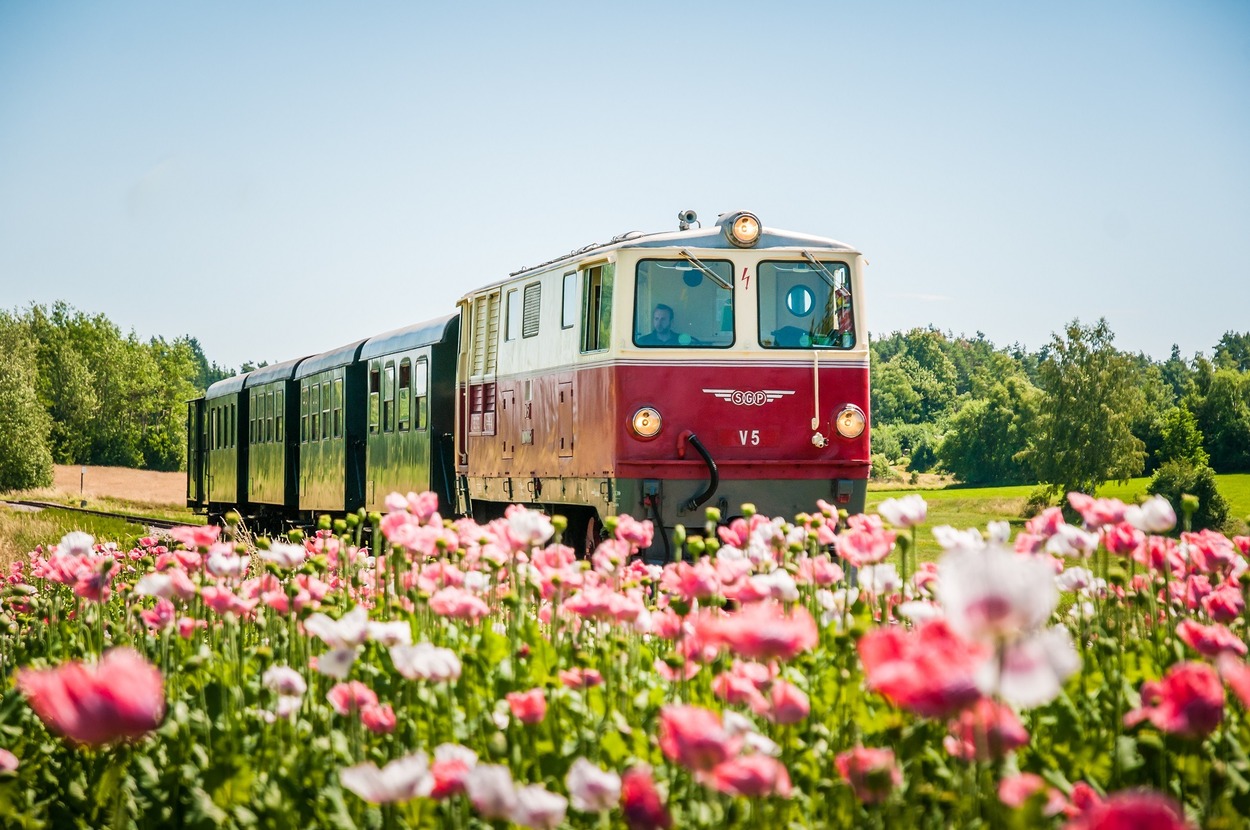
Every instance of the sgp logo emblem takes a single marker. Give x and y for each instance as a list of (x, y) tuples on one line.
[(749, 397)]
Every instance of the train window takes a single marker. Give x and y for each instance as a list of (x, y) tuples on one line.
[(404, 404), (597, 308), (388, 397), (338, 407), (251, 419), (269, 417), (422, 420), (314, 411), (568, 308), (533, 308), (234, 424), (805, 305), (325, 411), (513, 323), (278, 412), (303, 414), (682, 304), (375, 394)]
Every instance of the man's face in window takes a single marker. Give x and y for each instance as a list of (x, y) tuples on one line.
[(661, 321)]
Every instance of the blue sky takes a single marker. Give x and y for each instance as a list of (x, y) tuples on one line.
[(277, 179)]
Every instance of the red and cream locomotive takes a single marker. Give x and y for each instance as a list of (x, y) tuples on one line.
[(655, 374)]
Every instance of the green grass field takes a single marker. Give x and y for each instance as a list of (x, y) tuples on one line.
[(960, 506)]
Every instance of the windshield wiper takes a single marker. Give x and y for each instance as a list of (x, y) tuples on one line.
[(824, 272), (707, 272)]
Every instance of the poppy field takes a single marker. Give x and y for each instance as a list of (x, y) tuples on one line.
[(780, 673)]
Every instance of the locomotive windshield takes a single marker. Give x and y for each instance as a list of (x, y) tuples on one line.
[(805, 305), (684, 303)]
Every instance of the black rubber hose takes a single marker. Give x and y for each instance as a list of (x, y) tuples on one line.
[(659, 528), (714, 475)]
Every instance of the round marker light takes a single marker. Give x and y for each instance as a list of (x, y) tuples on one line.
[(646, 422), (744, 230), (850, 421)]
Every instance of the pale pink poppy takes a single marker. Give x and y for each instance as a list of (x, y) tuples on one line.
[(349, 698), (401, 780), (1210, 552), (491, 790), (538, 807), (458, 603), (120, 697), (993, 594), (787, 703), (907, 511), (202, 536), (865, 541), (761, 631), (591, 788), (425, 661), (580, 678), (1016, 790), (1155, 515), (1097, 512), (1225, 603), (8, 762), (1237, 675), (378, 718)]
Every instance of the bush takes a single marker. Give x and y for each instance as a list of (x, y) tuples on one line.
[(881, 470), (1180, 477)]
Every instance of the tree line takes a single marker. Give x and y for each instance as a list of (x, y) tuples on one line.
[(1072, 415), (75, 390)]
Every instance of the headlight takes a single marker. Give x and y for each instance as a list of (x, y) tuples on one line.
[(850, 421), (646, 422), (743, 230)]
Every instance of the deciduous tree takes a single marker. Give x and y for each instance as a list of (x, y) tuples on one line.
[(25, 460)]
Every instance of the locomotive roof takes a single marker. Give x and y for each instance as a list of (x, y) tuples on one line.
[(332, 359), (711, 237), (228, 386), (409, 337), (276, 371)]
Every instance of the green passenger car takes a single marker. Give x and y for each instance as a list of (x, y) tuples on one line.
[(331, 431), (273, 457), (225, 450), (411, 411)]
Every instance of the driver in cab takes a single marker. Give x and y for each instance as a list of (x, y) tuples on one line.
[(662, 333)]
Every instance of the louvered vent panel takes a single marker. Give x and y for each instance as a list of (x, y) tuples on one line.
[(532, 305), (492, 335)]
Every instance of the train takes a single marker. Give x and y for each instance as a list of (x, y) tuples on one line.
[(655, 374)]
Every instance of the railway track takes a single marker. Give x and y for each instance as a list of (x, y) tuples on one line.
[(146, 521)]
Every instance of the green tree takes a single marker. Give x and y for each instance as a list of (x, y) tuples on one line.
[(1233, 351), (1182, 440), (986, 439), (25, 460), (1084, 434), (1182, 477), (1221, 405)]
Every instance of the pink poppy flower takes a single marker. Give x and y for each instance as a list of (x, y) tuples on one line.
[(349, 698), (1139, 810), (1097, 512), (762, 631), (194, 537), (528, 707), (929, 670), (1210, 552), (120, 697), (872, 773), (378, 718), (691, 581), (1224, 604), (985, 732), (1122, 539), (640, 803), (1016, 790), (865, 541), (8, 762), (491, 790), (160, 616), (538, 807), (452, 763), (1188, 701), (459, 604), (1209, 640), (580, 678), (787, 703), (753, 776), (1237, 675), (695, 737)]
